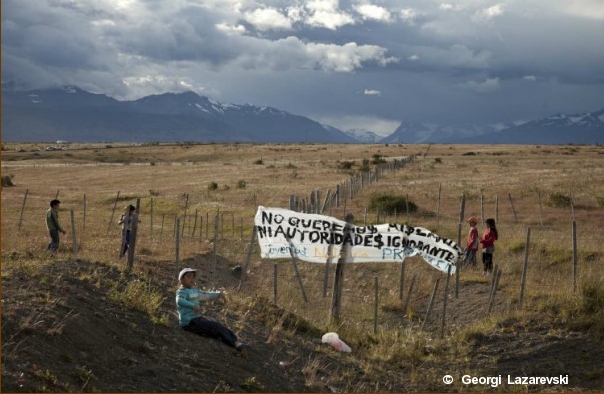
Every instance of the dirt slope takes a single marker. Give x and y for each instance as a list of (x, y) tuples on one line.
[(61, 331)]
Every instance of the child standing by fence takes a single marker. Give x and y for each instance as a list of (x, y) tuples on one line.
[(488, 245), (126, 222), (471, 242), (53, 226)]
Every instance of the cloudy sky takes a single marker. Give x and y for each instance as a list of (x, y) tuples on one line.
[(350, 64)]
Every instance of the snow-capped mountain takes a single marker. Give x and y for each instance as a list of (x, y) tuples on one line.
[(583, 128), (73, 114), (363, 135), (69, 113)]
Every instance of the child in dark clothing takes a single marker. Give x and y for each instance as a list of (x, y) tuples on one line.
[(488, 246), (53, 226), (126, 222)]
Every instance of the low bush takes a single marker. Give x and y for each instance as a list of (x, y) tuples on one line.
[(7, 180), (559, 200), (391, 203)]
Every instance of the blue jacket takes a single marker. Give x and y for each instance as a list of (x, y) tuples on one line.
[(187, 299)]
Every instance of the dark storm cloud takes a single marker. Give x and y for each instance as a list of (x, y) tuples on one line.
[(353, 62)]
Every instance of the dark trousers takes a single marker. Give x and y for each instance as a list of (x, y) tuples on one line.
[(54, 240), (126, 241), (202, 326), (487, 261)]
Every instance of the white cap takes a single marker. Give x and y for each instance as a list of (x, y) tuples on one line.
[(184, 271)]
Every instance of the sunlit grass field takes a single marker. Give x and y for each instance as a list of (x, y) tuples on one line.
[(213, 190)]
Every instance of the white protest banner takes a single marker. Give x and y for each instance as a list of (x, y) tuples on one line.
[(308, 236)]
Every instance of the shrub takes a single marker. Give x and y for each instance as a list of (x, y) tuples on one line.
[(241, 184), (377, 159), (212, 186), (390, 203), (7, 180), (365, 166), (259, 162), (600, 201), (345, 165), (559, 200)]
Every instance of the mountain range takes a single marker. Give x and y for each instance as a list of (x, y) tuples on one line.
[(72, 114)]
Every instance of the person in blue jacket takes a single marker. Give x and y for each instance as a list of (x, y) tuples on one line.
[(188, 297)]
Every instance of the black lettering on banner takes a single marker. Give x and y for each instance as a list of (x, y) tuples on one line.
[(378, 241), (293, 221), (267, 217), (306, 223)]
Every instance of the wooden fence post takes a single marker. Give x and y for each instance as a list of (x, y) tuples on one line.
[(74, 247), (23, 208), (298, 277), (215, 249), (494, 291), (574, 256), (524, 267), (540, 209), (84, 217), (184, 220), (438, 204), (248, 258), (275, 283), (493, 277), (432, 297), (151, 221), (402, 285), (482, 218), (375, 306), (194, 223), (177, 244), (513, 209), (406, 304), (446, 296), (327, 264), (336, 300)]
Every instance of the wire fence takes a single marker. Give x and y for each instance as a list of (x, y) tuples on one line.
[(565, 243)]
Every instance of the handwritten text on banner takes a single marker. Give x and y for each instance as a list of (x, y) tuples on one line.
[(310, 236)]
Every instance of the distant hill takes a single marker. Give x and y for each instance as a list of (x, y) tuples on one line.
[(584, 128), (73, 114)]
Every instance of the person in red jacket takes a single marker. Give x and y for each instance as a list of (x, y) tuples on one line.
[(488, 246), (471, 242)]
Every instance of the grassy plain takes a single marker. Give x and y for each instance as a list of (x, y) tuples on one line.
[(541, 188)]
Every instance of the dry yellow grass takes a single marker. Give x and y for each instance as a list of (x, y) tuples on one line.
[(509, 179), (166, 175), (515, 184)]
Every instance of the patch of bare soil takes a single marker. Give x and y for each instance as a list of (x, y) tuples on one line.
[(61, 331)]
